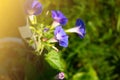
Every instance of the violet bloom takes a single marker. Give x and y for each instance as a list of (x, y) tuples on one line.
[(61, 36), (79, 29), (33, 7), (59, 17), (61, 76), (46, 29)]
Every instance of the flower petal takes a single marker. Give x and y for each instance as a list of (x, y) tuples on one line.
[(64, 42), (59, 17), (57, 30), (53, 14), (61, 36), (79, 22), (33, 7), (82, 30), (63, 21)]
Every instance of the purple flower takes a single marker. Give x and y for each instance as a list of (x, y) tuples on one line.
[(33, 7), (59, 17), (61, 36), (46, 29), (79, 29), (60, 76)]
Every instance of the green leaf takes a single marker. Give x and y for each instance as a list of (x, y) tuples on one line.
[(55, 60), (84, 76), (80, 76), (118, 23), (91, 75)]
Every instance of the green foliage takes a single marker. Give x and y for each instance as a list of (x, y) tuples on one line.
[(90, 75), (101, 46), (54, 59)]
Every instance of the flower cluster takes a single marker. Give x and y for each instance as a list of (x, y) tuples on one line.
[(55, 32), (34, 7), (60, 34)]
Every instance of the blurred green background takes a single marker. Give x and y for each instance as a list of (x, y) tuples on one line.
[(98, 54)]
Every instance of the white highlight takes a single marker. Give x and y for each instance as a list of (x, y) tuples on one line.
[(74, 30), (55, 24)]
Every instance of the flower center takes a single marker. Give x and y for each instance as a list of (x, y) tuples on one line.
[(58, 36)]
